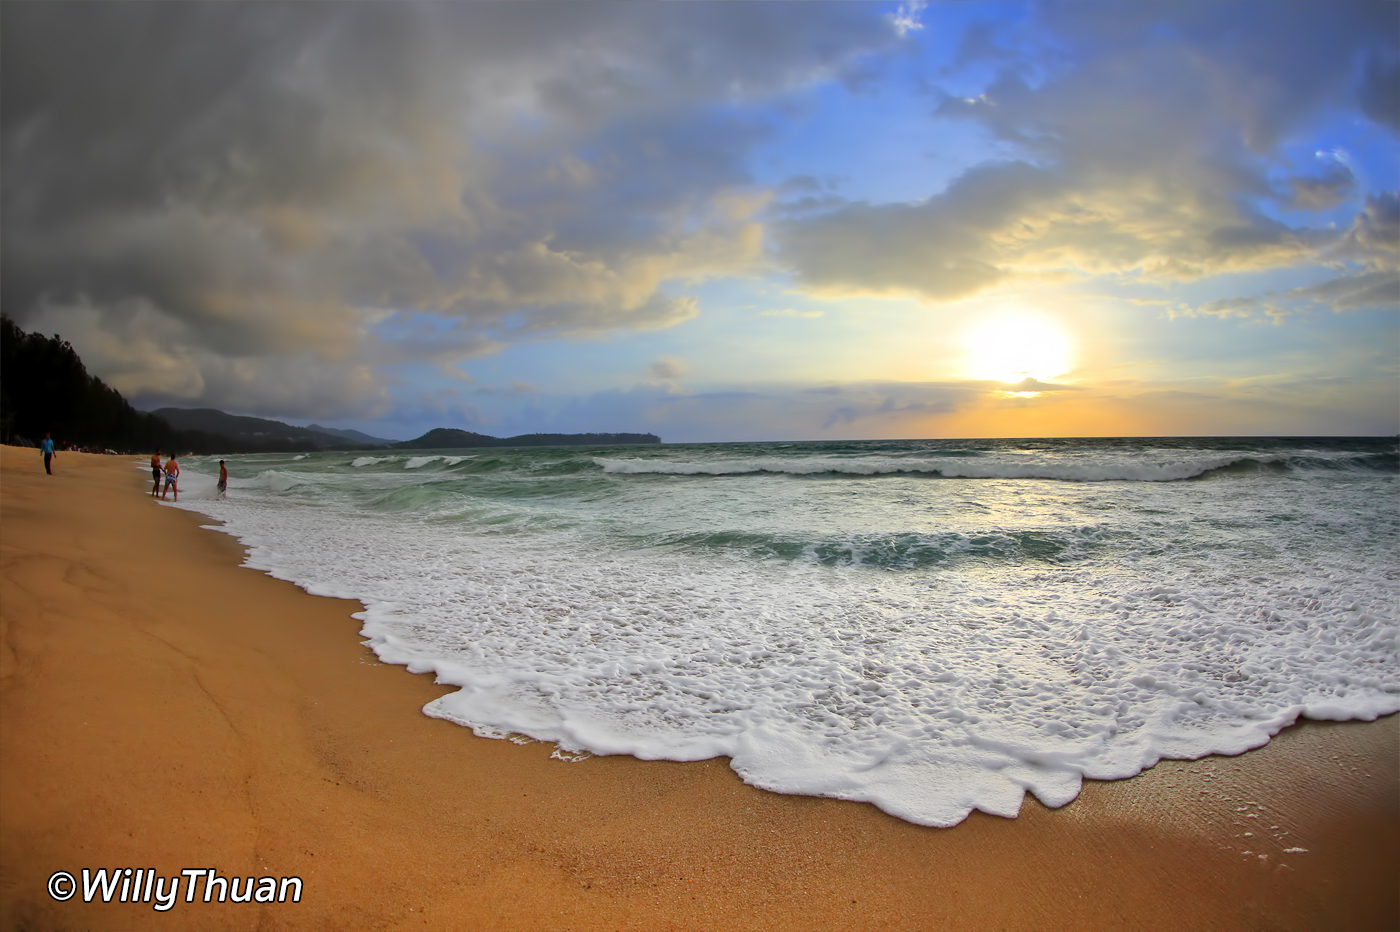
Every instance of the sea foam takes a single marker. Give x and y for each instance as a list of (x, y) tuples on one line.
[(1076, 631), (1096, 469)]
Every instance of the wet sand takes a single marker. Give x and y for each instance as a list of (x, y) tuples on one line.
[(161, 707)]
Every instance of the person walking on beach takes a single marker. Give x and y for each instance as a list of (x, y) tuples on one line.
[(172, 478), (223, 480), (46, 448), (155, 473)]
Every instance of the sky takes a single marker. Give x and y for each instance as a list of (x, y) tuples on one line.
[(716, 221)]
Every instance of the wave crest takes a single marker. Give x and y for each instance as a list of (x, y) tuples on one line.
[(1086, 470)]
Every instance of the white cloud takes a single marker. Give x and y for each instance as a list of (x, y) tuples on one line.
[(906, 19)]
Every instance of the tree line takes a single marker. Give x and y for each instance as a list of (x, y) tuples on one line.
[(46, 389)]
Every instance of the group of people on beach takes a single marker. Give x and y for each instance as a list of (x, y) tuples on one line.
[(171, 473)]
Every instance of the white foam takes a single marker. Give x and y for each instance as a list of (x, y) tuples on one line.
[(276, 480), (414, 462), (927, 694), (195, 487), (1103, 469)]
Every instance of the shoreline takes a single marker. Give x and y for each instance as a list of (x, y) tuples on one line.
[(196, 714)]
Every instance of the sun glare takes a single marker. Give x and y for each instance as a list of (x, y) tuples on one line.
[(1015, 346)]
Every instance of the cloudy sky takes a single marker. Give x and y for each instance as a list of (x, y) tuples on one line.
[(716, 221)]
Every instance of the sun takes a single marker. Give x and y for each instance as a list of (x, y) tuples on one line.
[(1017, 345)]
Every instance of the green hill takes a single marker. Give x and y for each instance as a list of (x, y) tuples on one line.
[(447, 438)]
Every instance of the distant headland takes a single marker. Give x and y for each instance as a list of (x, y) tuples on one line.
[(447, 438)]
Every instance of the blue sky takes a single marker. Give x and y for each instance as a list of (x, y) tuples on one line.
[(717, 221)]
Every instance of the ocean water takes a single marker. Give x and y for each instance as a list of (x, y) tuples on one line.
[(929, 626)]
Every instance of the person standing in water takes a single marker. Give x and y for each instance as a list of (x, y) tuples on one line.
[(155, 473), (172, 478), (223, 480), (46, 448)]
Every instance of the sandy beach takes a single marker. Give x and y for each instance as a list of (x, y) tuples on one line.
[(166, 709)]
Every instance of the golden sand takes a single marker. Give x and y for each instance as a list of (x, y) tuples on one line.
[(162, 708)]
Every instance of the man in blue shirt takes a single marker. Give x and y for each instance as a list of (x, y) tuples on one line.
[(46, 448)]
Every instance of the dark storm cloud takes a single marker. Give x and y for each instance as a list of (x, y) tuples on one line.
[(1380, 90), (1146, 133), (211, 190)]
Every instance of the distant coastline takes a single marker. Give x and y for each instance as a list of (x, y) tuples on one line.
[(46, 389), (257, 435)]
